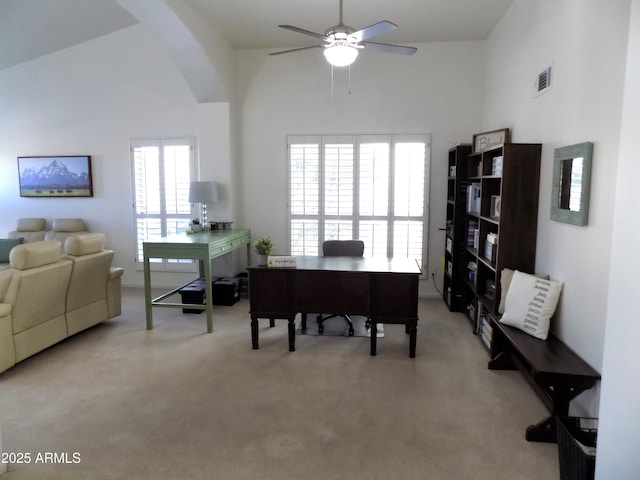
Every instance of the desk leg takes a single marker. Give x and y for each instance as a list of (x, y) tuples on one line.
[(208, 290), (254, 333), (147, 293), (413, 335), (292, 334), (374, 337)]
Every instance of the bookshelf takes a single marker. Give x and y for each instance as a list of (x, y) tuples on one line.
[(495, 229), (453, 286)]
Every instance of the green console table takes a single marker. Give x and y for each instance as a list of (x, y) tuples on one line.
[(197, 246)]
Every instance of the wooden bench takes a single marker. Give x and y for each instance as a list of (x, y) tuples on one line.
[(553, 370)]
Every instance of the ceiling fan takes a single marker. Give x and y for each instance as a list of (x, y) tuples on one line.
[(341, 43)]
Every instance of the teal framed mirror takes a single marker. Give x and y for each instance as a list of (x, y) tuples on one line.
[(571, 183)]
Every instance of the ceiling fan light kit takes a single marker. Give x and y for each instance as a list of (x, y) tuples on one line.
[(341, 55)]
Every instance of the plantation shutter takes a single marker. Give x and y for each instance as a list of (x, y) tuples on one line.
[(371, 187), (162, 173)]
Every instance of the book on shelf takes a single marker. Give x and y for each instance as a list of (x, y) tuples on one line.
[(486, 331), (472, 233), (496, 166), (473, 198)]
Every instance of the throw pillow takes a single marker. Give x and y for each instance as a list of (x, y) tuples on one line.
[(530, 303), (505, 281), (6, 244)]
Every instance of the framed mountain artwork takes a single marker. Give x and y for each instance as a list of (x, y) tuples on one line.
[(55, 176)]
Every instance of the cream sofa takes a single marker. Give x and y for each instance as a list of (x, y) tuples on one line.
[(46, 297), (34, 230)]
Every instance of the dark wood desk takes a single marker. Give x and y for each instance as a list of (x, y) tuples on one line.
[(385, 289)]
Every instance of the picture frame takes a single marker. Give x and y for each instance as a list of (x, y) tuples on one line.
[(55, 176), (488, 140)]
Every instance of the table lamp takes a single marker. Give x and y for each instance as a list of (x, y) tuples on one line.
[(203, 193)]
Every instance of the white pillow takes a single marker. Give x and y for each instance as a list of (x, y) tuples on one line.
[(530, 303), (505, 281)]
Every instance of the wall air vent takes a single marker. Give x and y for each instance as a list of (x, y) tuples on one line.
[(543, 82)]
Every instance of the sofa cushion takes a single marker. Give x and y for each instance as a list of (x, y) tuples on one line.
[(68, 225), (35, 254), (6, 245), (84, 244), (31, 224)]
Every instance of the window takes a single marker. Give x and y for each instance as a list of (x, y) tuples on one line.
[(371, 187), (162, 173)]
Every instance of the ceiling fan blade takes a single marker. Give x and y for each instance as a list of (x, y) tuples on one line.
[(385, 47), (296, 49), (373, 30), (303, 31)]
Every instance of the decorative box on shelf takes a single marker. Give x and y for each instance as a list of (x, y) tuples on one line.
[(471, 271), (490, 289), (490, 251), (495, 206)]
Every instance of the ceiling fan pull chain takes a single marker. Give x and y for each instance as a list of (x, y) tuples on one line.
[(349, 79), (332, 83)]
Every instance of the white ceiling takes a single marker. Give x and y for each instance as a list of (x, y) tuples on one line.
[(32, 28)]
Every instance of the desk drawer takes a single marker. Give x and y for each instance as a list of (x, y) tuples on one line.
[(228, 246), (269, 290), (332, 292), (395, 296)]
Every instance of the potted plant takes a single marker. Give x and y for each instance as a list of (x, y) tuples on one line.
[(263, 247)]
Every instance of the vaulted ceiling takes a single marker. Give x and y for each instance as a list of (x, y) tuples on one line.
[(32, 28)]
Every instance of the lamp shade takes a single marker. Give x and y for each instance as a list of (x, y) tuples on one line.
[(340, 55), (203, 192)]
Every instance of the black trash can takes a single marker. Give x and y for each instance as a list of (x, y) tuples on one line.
[(577, 438)]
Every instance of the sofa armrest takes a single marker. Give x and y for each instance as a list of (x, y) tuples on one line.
[(115, 273), (7, 348), (114, 295)]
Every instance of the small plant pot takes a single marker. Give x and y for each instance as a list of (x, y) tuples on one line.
[(262, 260)]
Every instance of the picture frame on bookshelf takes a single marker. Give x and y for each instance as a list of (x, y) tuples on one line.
[(488, 140)]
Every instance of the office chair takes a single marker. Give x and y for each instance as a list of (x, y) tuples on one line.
[(340, 248)]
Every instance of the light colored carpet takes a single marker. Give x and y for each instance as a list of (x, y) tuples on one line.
[(177, 403)]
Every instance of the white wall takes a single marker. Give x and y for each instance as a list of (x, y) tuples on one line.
[(583, 104), (619, 430), (436, 91), (91, 99)]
